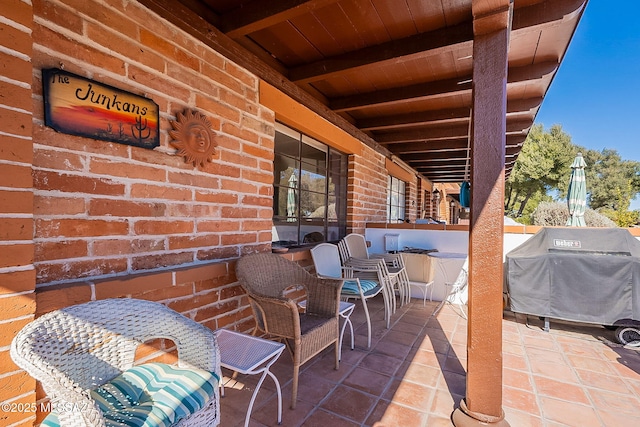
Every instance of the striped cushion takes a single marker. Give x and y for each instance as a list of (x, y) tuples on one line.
[(153, 395), (351, 286)]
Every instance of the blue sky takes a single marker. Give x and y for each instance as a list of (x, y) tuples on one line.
[(595, 94)]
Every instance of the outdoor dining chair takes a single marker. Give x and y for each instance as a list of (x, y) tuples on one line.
[(354, 246), (266, 278), (326, 261), (83, 356)]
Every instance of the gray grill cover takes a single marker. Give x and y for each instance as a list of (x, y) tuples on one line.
[(579, 274)]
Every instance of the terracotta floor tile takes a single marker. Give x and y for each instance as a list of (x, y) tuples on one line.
[(617, 419), (608, 401), (591, 364), (368, 381), (603, 381), (414, 376), (520, 400), (560, 390), (321, 418), (517, 379), (394, 415), (349, 403), (570, 414)]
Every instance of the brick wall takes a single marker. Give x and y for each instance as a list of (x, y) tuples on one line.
[(105, 209), (366, 190), (17, 274), (112, 220)]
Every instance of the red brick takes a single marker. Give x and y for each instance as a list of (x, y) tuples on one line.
[(257, 151), (222, 78), (10, 329), (217, 226), (126, 246), (18, 11), (185, 305), (163, 260), (56, 159), (241, 74), (136, 284), (18, 306), (185, 242), (57, 43), (240, 133), (125, 208), (217, 109), (15, 255), (15, 176), (47, 251), (17, 281), (74, 270), (54, 181), (124, 46), (240, 102), (46, 228), (218, 253), (44, 206), (128, 170), (194, 180), (60, 16), (16, 229), (204, 272), (16, 149), (248, 225), (214, 310), (257, 201), (243, 187), (15, 39), (54, 297), (16, 202), (160, 192), (236, 239), (238, 212), (218, 198), (13, 95), (167, 293), (237, 159), (163, 227)]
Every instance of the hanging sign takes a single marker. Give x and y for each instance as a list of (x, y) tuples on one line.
[(79, 106)]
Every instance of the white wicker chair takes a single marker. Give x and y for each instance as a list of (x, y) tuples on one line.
[(77, 349)]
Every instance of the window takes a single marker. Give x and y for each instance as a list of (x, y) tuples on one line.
[(310, 190), (395, 200)]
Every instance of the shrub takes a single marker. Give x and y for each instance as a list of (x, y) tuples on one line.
[(556, 214)]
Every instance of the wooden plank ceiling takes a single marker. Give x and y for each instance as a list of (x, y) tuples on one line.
[(394, 73)]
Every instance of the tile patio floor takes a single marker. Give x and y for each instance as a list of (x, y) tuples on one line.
[(414, 375)]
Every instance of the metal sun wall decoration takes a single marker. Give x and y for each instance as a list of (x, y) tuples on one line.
[(193, 137)]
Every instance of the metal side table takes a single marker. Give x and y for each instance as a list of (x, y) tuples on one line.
[(251, 355)]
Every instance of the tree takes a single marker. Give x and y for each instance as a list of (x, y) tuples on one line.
[(539, 169), (611, 181)]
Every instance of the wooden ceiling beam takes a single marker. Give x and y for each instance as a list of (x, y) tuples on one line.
[(430, 43), (443, 132), (258, 15), (196, 26), (423, 91), (423, 44), (546, 12), (451, 115), (422, 118)]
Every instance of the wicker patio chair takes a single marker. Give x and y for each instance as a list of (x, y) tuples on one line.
[(266, 279), (84, 357)]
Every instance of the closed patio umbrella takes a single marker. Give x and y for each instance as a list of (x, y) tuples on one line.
[(577, 194), (291, 197)]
